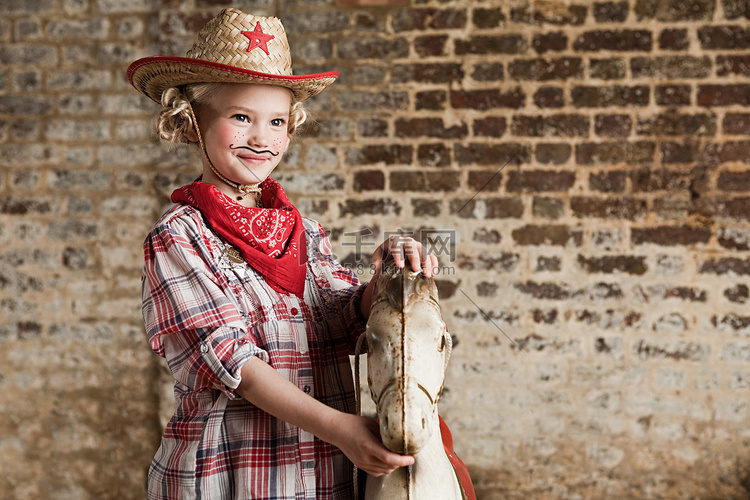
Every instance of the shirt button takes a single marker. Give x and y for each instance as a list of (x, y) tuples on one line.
[(294, 311), (204, 348), (306, 389)]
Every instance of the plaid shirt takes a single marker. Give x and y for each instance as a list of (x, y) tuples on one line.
[(208, 315)]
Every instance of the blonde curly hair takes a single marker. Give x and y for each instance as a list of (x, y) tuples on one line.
[(174, 121)]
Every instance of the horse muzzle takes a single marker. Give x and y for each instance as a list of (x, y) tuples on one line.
[(406, 418)]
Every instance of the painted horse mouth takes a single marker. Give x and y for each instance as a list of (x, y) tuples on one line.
[(256, 151)]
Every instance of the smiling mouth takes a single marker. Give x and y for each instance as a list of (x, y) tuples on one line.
[(256, 151)]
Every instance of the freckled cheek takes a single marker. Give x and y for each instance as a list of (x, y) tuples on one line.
[(280, 143)]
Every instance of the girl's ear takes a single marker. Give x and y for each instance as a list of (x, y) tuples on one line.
[(191, 134)]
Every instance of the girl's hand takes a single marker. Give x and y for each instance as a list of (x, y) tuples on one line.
[(359, 439), (405, 249)]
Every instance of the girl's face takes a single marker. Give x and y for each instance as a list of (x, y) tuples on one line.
[(245, 131)]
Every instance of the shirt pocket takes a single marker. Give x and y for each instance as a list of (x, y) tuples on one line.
[(288, 349)]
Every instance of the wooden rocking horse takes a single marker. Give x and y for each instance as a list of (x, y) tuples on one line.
[(408, 351)]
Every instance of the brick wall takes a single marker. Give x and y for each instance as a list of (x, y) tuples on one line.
[(581, 167)]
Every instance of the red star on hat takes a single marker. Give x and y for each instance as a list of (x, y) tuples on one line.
[(258, 39)]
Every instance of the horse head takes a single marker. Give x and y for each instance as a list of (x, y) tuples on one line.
[(408, 349)]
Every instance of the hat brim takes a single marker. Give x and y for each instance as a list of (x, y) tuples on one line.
[(153, 75)]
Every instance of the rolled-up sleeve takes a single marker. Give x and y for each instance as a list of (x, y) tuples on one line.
[(189, 318)]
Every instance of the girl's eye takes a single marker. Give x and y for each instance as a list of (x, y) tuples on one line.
[(277, 122), (241, 118)]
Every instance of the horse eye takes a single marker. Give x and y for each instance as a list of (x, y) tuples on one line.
[(442, 344)]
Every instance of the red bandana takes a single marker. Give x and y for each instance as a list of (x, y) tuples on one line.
[(271, 240)]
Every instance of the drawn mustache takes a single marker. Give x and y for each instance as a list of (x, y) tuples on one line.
[(257, 152)]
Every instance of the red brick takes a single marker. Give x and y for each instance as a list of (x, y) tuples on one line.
[(486, 44), (608, 69), (484, 18), (362, 101), (376, 206), (539, 180), (548, 316), (482, 100), (671, 67), (613, 153), (670, 235), (613, 125), (426, 208), (605, 97), (490, 126), (426, 46), (427, 73), (550, 42), (675, 10), (484, 180), (369, 180), (544, 291), (733, 65), (678, 124), (573, 15), (434, 155), (725, 152), (723, 95), (610, 12), (733, 239), (673, 95), (539, 69), (608, 208), (547, 208), (488, 72), (673, 207), (674, 39), (735, 9), (676, 152), (372, 128), (429, 127), (550, 126), (738, 208), (736, 123), (738, 294), (628, 264), (615, 40), (555, 235), (410, 180), (19, 205), (548, 264), (734, 181), (389, 155), (427, 18), (555, 154), (724, 37), (492, 154), (500, 262), (614, 181), (432, 100), (549, 97), (726, 265), (487, 236)]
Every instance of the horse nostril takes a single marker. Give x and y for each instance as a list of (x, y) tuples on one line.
[(424, 423)]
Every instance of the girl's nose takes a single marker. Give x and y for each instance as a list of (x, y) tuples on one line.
[(258, 136)]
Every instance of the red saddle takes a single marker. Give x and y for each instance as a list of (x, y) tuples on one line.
[(461, 471)]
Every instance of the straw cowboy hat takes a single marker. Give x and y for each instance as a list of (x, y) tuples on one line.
[(233, 47)]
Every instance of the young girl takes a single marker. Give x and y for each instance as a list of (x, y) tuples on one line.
[(241, 294)]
